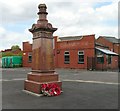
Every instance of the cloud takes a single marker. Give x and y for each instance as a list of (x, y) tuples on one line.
[(87, 20), (17, 11), (9, 38), (2, 30), (70, 17)]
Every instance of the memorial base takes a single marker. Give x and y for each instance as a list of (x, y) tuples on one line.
[(34, 81)]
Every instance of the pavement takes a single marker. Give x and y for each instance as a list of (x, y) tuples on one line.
[(81, 90)]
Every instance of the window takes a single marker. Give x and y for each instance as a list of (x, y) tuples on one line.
[(66, 57), (29, 57), (100, 59), (109, 59), (80, 57)]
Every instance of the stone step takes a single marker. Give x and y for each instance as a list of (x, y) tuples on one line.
[(35, 87), (42, 77)]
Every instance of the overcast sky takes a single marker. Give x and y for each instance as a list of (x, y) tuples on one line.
[(73, 17)]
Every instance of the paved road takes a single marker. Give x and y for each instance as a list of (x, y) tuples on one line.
[(71, 74), (82, 90)]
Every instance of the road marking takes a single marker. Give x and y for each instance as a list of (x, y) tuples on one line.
[(98, 82), (31, 93), (68, 80), (16, 79)]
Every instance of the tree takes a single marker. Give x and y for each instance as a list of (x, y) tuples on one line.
[(16, 51), (7, 54), (15, 47)]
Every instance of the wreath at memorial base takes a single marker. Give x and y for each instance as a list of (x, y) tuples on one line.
[(50, 89)]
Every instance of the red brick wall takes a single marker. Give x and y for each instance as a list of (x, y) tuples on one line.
[(114, 64), (106, 66), (116, 48), (100, 66), (112, 47), (87, 44), (27, 48)]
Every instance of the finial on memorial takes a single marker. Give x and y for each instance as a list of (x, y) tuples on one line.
[(42, 54), (42, 23), (42, 12), (42, 9)]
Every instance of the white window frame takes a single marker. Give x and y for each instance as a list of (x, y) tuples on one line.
[(81, 62), (66, 62)]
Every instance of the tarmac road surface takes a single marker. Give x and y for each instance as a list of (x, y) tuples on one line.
[(81, 90)]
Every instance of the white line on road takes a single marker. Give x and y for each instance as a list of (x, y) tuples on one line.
[(67, 80), (16, 79), (99, 82)]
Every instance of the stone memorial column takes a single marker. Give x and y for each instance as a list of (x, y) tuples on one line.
[(42, 54)]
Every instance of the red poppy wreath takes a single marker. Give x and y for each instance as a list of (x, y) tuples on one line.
[(50, 89)]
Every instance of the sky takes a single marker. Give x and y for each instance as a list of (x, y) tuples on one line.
[(71, 17)]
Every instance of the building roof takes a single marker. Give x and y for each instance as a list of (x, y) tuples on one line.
[(68, 38), (106, 51), (6, 50), (111, 39), (101, 45)]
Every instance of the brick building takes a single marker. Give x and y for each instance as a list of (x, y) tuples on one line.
[(11, 51), (113, 44), (27, 54), (72, 52), (81, 52)]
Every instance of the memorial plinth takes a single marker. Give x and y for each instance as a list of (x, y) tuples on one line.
[(42, 54)]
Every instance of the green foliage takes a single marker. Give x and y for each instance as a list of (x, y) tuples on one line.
[(7, 54), (19, 54), (11, 54), (15, 47), (0, 54)]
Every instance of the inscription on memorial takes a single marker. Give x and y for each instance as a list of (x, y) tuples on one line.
[(42, 34), (37, 34), (49, 55)]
